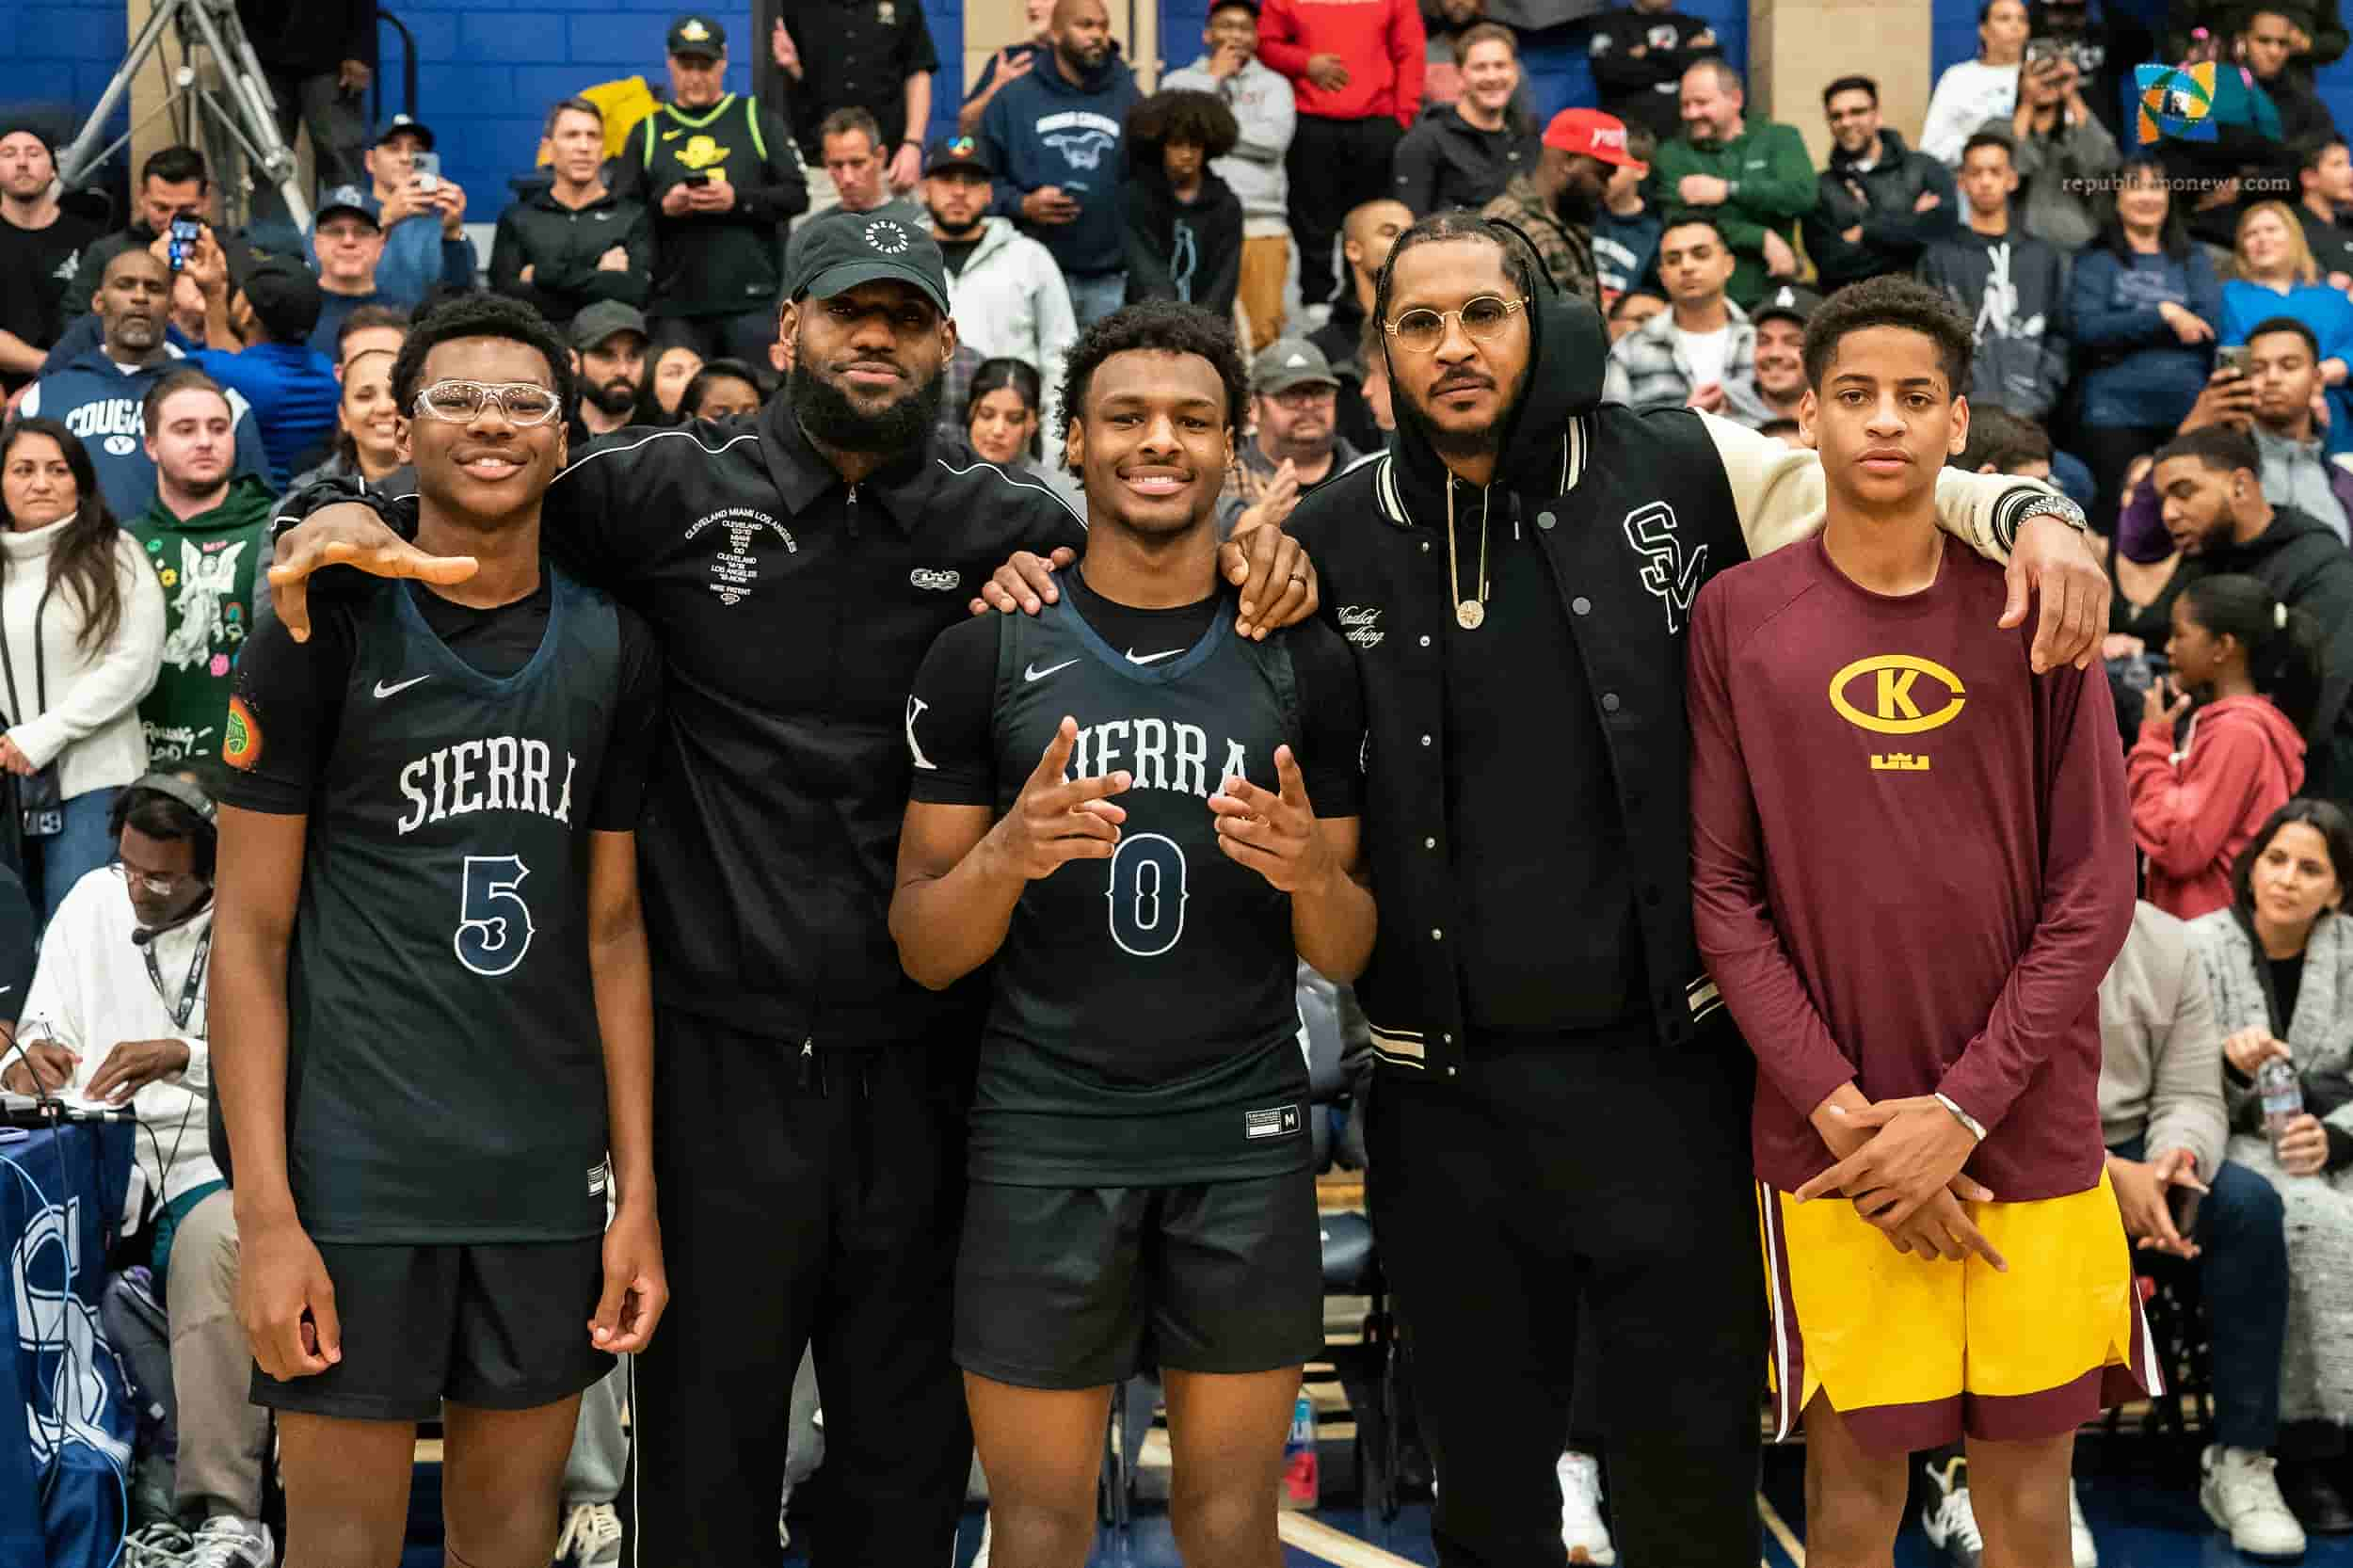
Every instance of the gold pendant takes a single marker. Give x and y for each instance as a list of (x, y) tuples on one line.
[(1470, 613)]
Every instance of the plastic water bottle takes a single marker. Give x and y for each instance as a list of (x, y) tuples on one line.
[(2282, 1095), (1302, 1481)]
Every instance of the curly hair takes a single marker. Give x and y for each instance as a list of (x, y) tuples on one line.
[(1180, 115), (483, 316), (1890, 301), (1159, 326)]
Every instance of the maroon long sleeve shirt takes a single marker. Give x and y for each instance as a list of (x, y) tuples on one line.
[(1912, 859)]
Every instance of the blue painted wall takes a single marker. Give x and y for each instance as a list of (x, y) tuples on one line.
[(1953, 37), (486, 69)]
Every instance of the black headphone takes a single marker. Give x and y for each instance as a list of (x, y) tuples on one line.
[(185, 793)]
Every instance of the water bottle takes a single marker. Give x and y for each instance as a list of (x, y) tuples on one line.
[(1302, 1486), (2282, 1095)]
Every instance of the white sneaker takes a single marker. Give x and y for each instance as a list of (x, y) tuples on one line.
[(1581, 1530), (2079, 1529), (980, 1559), (161, 1544), (1951, 1524), (226, 1541), (592, 1536), (2242, 1498)]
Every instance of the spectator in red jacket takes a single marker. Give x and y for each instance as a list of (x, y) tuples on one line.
[(2253, 667), (1356, 69)]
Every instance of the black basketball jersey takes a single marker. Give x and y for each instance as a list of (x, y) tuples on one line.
[(1144, 1029), (445, 1075)]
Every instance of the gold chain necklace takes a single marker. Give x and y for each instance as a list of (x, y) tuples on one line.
[(1468, 613)]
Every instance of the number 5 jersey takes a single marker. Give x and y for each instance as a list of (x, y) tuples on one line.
[(1144, 1029), (445, 1074)]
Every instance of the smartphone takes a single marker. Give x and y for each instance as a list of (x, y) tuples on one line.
[(701, 177), (426, 166), (2232, 359), (2183, 1201), (2043, 51), (186, 232)]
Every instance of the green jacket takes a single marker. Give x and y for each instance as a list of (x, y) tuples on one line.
[(1773, 185), (206, 566)]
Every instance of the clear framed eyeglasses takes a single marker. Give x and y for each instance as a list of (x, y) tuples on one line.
[(523, 403)]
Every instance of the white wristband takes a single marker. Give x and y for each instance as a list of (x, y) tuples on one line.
[(1977, 1128)]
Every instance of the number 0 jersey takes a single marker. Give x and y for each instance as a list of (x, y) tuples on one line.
[(1144, 1029), (445, 1073)]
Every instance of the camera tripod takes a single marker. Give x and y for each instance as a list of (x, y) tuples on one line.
[(240, 113)]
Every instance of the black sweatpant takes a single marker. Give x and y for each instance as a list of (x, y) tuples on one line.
[(802, 1204), (1599, 1176), (1334, 167)]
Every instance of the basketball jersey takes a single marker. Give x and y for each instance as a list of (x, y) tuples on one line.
[(1145, 1030), (445, 1075)]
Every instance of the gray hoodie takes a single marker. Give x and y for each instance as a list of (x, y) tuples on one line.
[(1263, 107)]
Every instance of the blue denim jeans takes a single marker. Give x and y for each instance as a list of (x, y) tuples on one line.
[(55, 864), (1092, 298), (2243, 1266)]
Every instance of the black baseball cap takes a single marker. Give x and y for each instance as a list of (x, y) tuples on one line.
[(399, 124), (347, 199), (956, 153), (840, 250), (696, 34), (284, 295), (1789, 300), (598, 323)]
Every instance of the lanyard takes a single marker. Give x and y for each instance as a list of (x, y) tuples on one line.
[(189, 983)]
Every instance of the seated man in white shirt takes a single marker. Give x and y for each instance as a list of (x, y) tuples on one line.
[(116, 1012)]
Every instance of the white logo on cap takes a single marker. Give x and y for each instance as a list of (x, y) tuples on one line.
[(345, 196), (1784, 297), (888, 237), (693, 32), (1296, 360)]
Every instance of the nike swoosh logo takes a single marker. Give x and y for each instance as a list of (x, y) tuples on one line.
[(383, 691), (1135, 658), (1033, 673)]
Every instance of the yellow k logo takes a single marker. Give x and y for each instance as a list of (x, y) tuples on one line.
[(1896, 708)]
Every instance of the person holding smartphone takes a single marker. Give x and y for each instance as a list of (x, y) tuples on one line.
[(422, 213), (2062, 151)]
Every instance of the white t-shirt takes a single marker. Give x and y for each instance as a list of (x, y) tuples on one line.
[(1967, 95), (1706, 351)]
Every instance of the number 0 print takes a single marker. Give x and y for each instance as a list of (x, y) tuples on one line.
[(1147, 894), (494, 921)]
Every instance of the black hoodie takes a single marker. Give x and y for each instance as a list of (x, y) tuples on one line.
[(1189, 252), (2306, 567), (1445, 161), (1528, 800)]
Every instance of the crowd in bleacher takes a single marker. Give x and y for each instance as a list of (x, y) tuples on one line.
[(2164, 330)]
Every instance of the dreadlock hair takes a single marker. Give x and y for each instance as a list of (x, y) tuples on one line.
[(1519, 267)]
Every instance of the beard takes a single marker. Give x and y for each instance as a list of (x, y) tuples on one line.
[(960, 231), (828, 416), (1450, 444), (1577, 202), (617, 396)]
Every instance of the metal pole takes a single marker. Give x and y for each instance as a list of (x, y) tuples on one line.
[(75, 163)]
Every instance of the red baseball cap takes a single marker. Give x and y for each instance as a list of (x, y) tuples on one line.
[(1594, 133)]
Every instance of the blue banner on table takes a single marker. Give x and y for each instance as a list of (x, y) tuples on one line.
[(66, 1419)]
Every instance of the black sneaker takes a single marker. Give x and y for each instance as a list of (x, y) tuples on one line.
[(2312, 1497), (1951, 1524)]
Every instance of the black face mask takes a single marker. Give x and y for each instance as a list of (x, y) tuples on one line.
[(828, 416)]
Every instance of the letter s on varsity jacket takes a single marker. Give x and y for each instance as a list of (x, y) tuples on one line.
[(1635, 511)]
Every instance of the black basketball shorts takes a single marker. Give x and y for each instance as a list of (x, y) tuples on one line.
[(1064, 1286), (500, 1327)]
